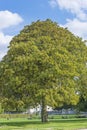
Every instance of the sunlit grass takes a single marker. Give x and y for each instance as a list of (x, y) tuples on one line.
[(35, 124)]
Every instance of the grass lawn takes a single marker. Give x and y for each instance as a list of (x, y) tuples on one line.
[(35, 124)]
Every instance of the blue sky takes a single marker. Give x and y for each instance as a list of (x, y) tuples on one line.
[(15, 14)]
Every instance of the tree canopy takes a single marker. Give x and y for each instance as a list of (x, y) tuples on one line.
[(44, 65)]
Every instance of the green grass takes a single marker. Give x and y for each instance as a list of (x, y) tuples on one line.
[(35, 124)]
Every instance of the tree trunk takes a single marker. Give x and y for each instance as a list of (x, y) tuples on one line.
[(44, 115)]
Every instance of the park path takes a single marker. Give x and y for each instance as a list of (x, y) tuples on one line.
[(82, 129)]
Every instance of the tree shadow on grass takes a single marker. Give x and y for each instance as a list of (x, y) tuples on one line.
[(38, 122), (70, 121), (19, 123)]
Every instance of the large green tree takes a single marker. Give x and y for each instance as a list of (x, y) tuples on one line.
[(42, 66)]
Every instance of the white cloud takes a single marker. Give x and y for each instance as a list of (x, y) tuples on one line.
[(4, 39), (77, 27), (77, 7), (78, 24), (8, 19), (53, 3), (4, 42), (2, 54)]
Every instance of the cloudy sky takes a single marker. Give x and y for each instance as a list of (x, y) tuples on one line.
[(15, 14)]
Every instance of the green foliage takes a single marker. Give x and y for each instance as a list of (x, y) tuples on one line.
[(43, 62), (12, 105), (1, 109), (82, 105)]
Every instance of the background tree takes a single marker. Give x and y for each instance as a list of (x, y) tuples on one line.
[(42, 65)]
